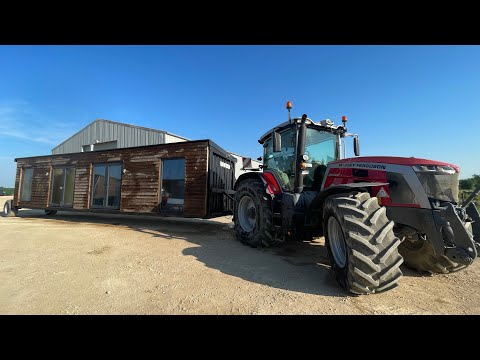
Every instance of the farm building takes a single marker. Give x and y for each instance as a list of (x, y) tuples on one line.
[(106, 134)]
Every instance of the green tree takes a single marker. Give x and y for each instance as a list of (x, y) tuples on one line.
[(476, 179), (471, 183), (467, 184)]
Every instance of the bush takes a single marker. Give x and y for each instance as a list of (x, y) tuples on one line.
[(8, 191)]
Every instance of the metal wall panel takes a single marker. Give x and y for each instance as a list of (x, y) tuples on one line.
[(221, 180)]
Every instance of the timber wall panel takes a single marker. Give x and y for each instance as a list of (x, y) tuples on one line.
[(140, 178)]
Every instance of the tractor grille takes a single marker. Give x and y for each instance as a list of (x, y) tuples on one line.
[(439, 182)]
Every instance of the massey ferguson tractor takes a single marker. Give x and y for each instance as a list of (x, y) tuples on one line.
[(375, 212)]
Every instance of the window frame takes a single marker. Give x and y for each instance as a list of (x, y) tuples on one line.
[(107, 176), (162, 172), (64, 177), (22, 178)]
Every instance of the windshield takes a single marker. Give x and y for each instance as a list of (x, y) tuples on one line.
[(320, 147), (440, 186), (283, 161)]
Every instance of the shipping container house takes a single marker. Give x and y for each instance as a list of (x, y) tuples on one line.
[(186, 179)]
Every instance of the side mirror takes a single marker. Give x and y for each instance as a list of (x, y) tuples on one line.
[(277, 141), (356, 146)]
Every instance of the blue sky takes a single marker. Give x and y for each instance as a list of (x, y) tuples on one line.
[(421, 101)]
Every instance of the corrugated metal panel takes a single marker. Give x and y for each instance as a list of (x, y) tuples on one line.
[(221, 180), (105, 131)]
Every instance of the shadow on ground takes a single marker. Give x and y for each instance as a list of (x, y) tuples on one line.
[(295, 266)]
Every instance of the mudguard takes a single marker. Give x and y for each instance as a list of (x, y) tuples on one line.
[(316, 206)]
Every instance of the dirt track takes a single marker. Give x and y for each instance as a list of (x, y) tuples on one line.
[(96, 264)]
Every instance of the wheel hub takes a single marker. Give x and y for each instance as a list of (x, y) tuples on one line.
[(337, 242), (247, 213)]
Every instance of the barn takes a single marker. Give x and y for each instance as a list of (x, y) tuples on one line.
[(104, 134)]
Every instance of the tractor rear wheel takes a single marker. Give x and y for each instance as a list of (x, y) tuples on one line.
[(362, 247), (420, 255), (253, 214)]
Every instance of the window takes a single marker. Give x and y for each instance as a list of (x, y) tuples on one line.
[(283, 161), (106, 185), (26, 187), (173, 184), (63, 181), (320, 147), (86, 148), (105, 145)]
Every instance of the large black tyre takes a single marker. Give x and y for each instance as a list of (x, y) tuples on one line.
[(50, 212), (420, 255), (8, 210), (253, 214), (357, 227)]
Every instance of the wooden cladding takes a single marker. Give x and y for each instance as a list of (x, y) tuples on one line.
[(140, 183)]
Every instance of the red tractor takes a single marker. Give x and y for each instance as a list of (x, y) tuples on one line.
[(374, 212)]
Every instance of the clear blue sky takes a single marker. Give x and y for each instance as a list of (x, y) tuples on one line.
[(421, 101)]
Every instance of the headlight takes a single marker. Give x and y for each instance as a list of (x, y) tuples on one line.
[(434, 168)]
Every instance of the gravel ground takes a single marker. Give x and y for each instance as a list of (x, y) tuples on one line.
[(76, 263)]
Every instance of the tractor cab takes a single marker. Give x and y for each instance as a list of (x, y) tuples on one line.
[(298, 151)]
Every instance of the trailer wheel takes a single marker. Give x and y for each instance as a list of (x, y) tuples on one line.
[(362, 247), (420, 255), (253, 214), (8, 210), (50, 212)]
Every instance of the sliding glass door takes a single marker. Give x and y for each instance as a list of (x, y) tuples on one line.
[(173, 185), (106, 186), (63, 183)]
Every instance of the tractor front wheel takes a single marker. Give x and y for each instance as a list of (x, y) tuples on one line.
[(362, 247), (253, 214)]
